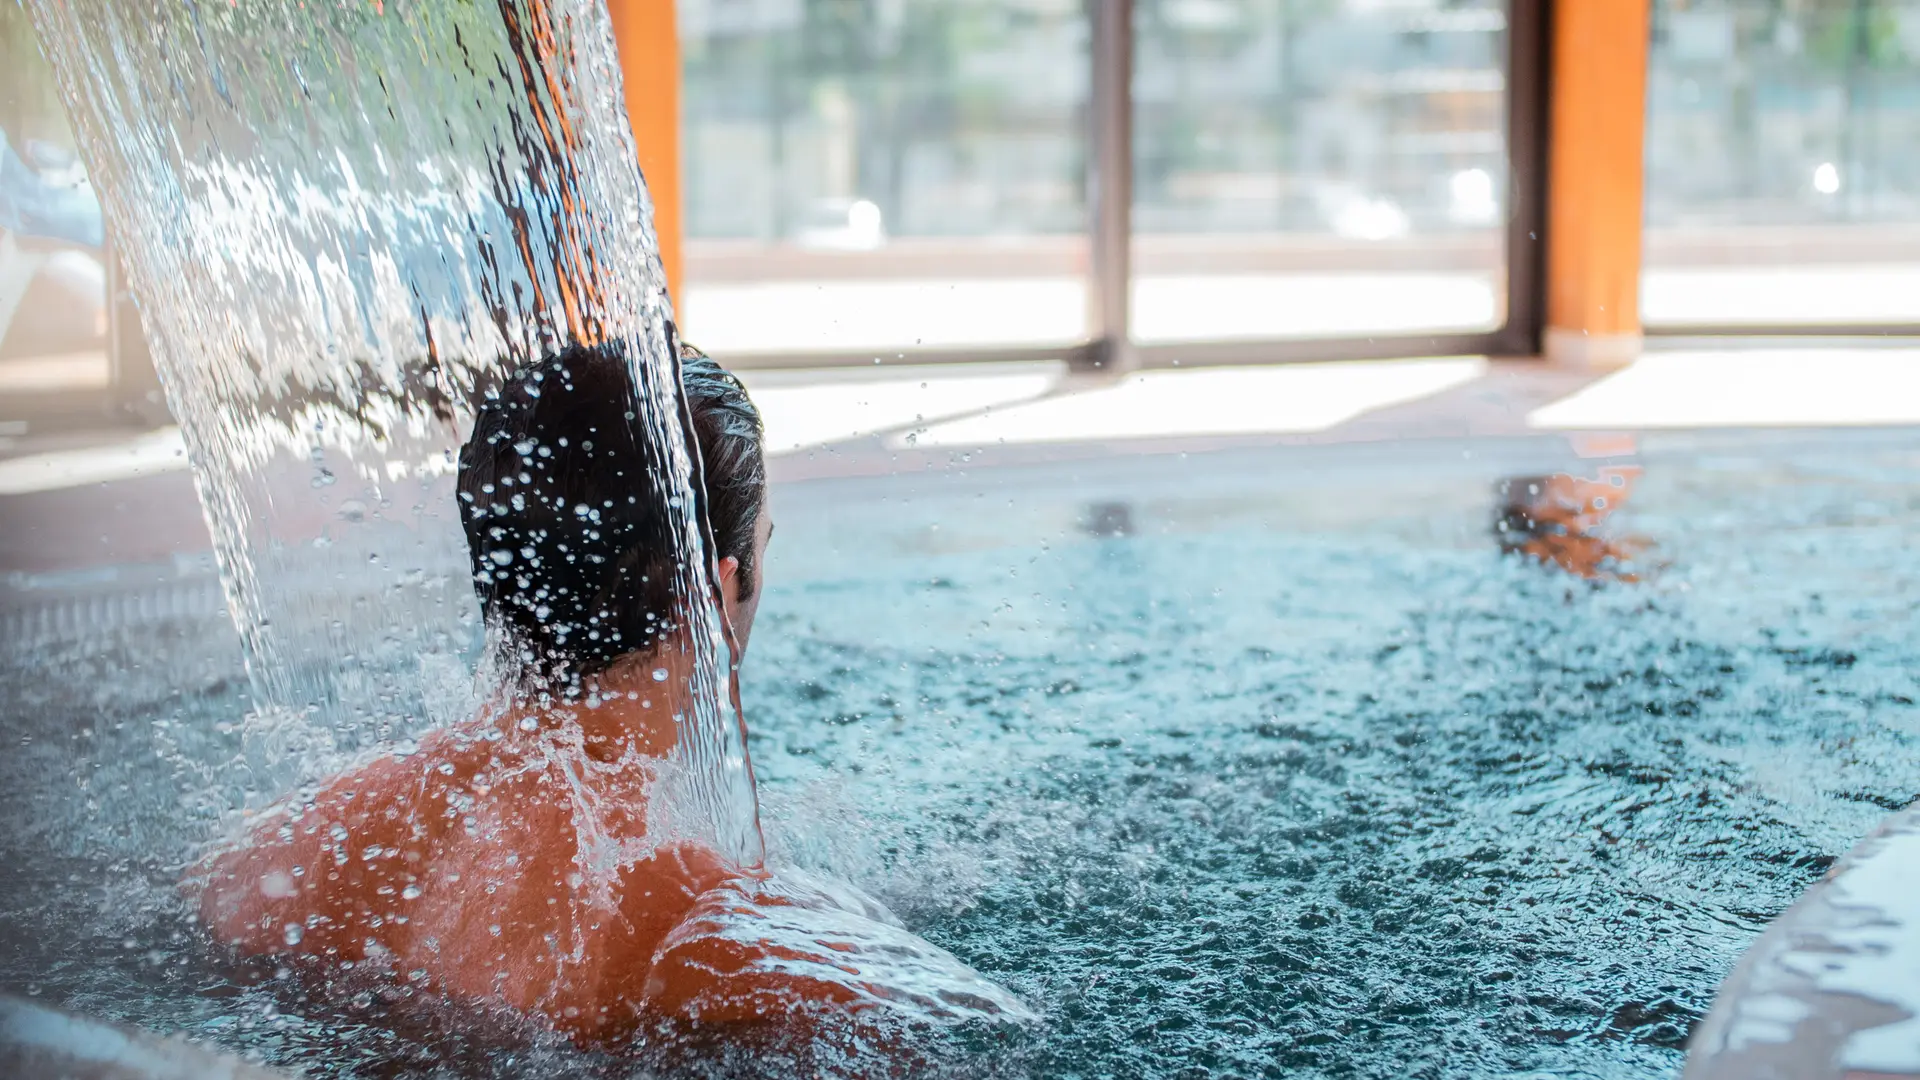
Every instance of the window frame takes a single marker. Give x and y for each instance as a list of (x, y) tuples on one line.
[(1109, 346)]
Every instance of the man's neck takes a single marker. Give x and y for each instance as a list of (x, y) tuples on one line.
[(631, 706)]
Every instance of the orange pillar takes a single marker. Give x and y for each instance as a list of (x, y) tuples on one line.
[(649, 47), (1595, 177)]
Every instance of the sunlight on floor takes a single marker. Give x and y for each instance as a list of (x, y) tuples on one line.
[(808, 409), (1289, 398), (1038, 403)]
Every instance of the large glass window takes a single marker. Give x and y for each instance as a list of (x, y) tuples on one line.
[(1783, 163), (53, 315), (884, 174), (1316, 168)]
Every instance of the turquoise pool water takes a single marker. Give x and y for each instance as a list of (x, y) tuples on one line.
[(1252, 763)]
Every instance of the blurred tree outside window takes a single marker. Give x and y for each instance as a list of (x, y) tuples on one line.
[(1782, 179), (1318, 168), (30, 108), (53, 320), (884, 174), (1276, 115), (1294, 159), (950, 117)]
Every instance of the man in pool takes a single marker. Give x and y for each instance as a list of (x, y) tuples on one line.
[(510, 859)]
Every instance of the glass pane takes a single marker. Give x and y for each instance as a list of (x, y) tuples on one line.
[(1781, 178), (883, 174), (53, 317), (1308, 168)]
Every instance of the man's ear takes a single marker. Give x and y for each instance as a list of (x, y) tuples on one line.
[(730, 579)]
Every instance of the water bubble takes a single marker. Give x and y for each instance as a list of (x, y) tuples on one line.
[(411, 892), (277, 885), (659, 674), (293, 933)]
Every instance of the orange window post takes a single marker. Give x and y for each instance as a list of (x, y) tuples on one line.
[(649, 44), (1595, 180)]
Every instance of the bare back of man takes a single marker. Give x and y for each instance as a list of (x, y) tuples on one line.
[(517, 869)]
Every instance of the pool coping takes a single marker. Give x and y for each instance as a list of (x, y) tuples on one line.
[(1810, 998)]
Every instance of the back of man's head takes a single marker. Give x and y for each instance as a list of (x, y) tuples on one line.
[(562, 494)]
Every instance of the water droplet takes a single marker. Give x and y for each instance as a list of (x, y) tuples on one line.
[(411, 892), (294, 933), (659, 674)]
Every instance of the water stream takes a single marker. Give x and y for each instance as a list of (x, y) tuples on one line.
[(345, 221)]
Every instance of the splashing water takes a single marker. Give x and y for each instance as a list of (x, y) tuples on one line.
[(346, 222)]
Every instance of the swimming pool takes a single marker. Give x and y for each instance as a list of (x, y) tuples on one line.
[(1252, 762)]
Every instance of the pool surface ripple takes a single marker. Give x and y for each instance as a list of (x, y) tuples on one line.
[(1256, 763)]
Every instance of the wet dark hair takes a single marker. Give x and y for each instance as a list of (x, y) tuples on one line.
[(568, 529)]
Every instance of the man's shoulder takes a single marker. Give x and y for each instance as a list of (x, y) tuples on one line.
[(775, 947)]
